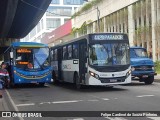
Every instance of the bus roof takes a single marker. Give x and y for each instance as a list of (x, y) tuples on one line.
[(28, 44), (83, 37)]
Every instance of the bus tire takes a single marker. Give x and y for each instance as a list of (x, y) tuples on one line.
[(54, 78), (41, 84), (77, 81), (12, 84), (149, 80)]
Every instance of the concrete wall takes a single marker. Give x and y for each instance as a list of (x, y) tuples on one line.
[(140, 19)]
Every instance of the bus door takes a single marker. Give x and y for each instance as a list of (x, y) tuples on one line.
[(59, 63), (82, 60)]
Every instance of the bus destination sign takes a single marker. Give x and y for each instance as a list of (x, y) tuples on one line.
[(108, 37)]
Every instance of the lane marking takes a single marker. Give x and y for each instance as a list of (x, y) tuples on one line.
[(105, 99), (13, 104), (145, 96), (11, 100), (72, 101), (92, 100), (44, 103), (95, 96), (21, 105), (76, 119)]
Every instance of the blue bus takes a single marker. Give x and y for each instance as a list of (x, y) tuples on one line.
[(142, 65), (29, 62)]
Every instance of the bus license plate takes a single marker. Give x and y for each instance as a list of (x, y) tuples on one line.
[(113, 80), (144, 76), (33, 81)]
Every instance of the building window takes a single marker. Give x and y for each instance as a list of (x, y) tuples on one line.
[(75, 8), (53, 22), (72, 2), (38, 28), (42, 23), (66, 19), (55, 2), (27, 38), (33, 33), (59, 11)]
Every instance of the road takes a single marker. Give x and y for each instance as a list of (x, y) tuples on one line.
[(64, 97)]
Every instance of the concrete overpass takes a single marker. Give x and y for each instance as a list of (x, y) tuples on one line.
[(18, 18)]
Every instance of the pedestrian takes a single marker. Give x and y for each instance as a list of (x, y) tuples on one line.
[(1, 87), (4, 75)]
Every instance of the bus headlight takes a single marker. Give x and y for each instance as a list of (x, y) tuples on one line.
[(128, 73), (133, 68), (152, 68), (94, 74)]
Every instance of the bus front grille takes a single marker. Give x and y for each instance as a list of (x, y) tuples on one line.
[(112, 80)]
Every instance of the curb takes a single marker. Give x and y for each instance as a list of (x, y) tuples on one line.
[(6, 105), (157, 80)]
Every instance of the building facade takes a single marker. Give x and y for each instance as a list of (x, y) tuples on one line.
[(59, 11), (140, 19)]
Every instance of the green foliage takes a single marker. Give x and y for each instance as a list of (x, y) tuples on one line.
[(86, 7), (141, 29), (74, 30), (82, 29), (157, 66)]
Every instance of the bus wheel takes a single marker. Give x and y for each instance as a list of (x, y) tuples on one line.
[(54, 78), (77, 81), (41, 84), (149, 80), (12, 84)]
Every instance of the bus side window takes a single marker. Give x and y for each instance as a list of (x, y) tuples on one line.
[(65, 53), (52, 53), (55, 55), (75, 51), (70, 52)]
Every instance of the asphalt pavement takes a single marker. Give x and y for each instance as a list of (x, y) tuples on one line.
[(64, 97)]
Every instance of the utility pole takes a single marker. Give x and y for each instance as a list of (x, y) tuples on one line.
[(98, 15)]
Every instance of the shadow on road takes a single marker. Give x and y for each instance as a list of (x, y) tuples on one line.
[(70, 86), (137, 83), (29, 86)]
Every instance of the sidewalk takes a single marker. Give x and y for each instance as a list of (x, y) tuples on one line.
[(5, 105), (3, 102), (157, 78)]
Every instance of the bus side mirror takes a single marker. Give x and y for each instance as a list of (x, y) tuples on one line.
[(11, 54)]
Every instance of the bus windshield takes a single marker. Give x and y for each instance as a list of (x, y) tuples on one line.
[(109, 54), (32, 58), (138, 52)]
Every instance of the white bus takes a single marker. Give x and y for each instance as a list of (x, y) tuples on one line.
[(94, 59)]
